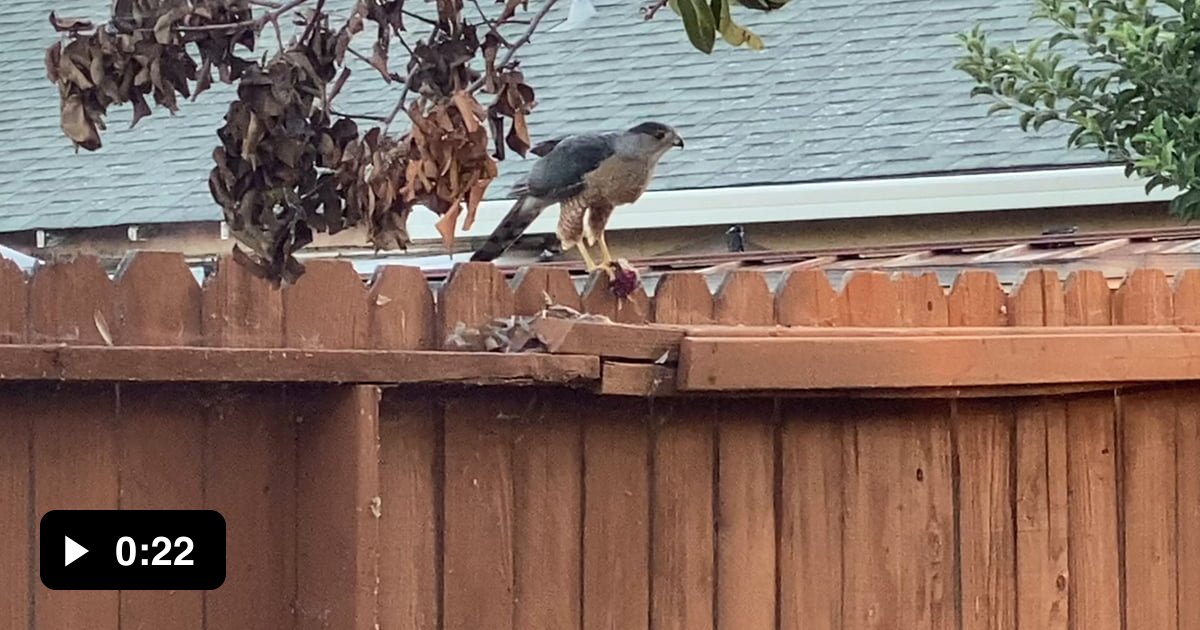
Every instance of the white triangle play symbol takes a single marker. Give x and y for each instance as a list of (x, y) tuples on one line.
[(73, 551)]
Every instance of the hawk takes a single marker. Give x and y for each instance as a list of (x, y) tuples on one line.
[(588, 175)]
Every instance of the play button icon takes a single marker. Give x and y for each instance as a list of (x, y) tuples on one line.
[(73, 551)]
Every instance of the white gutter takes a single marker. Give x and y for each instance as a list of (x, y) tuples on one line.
[(845, 199)]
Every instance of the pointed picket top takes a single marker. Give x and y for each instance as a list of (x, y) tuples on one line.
[(870, 298), (682, 297), (400, 310), (598, 299), (977, 299), (326, 308), (1187, 297), (1145, 297), (14, 302), (804, 297), (240, 309), (922, 300), (1037, 300), (1087, 299), (71, 301), (744, 299), (158, 301), (534, 285), (474, 294)]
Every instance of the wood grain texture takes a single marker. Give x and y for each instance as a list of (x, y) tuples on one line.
[(598, 299), (535, 285), (1187, 491), (976, 299), (78, 442), (616, 519), (161, 457), (158, 301), (682, 558), (983, 443), (1043, 595), (637, 379), (922, 300), (410, 558), (250, 462), (744, 298), (241, 310), (1086, 299), (13, 303), (548, 511), (1146, 429), (400, 310), (17, 568), (66, 300), (682, 297), (746, 536), (1037, 300), (569, 336), (479, 516), (1094, 562), (812, 517), (326, 308), (473, 294), (337, 486), (1187, 297), (804, 297), (250, 478), (870, 298), (927, 566)]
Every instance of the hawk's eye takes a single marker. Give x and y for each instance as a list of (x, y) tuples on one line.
[(660, 134)]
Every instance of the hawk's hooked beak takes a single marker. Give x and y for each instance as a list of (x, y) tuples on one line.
[(678, 142)]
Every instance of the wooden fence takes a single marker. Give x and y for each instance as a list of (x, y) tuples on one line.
[(361, 491)]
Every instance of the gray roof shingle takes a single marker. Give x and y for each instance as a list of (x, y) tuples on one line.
[(846, 89)]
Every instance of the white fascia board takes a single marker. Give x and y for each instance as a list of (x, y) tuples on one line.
[(939, 194)]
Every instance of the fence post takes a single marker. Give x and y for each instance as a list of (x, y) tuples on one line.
[(14, 303)]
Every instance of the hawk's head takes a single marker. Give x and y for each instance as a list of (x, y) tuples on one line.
[(658, 134)]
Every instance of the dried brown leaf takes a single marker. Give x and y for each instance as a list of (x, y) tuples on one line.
[(77, 126), (69, 24)]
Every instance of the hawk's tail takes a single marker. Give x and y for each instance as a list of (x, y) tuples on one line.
[(518, 219)]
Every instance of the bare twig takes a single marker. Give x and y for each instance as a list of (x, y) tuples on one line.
[(490, 22), (649, 11), (512, 49), (419, 18), (337, 86), (400, 103), (257, 23), (359, 116), (264, 3)]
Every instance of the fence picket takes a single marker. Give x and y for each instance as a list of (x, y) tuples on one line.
[(17, 580), (1086, 297), (1041, 474), (473, 295), (71, 301), (548, 506), (922, 300), (478, 570), (744, 299), (326, 308), (1094, 561), (746, 549), (250, 461), (812, 526), (976, 299), (1187, 456), (14, 303), (410, 498), (400, 310), (682, 297), (682, 556), (870, 298), (598, 299), (805, 298), (1146, 429), (616, 518), (533, 285), (161, 427)]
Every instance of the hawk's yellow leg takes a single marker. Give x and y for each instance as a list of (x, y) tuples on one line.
[(607, 259), (587, 258)]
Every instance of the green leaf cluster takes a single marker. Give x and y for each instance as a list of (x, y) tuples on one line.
[(1125, 74), (704, 19)]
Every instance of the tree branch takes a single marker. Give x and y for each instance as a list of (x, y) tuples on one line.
[(650, 11), (521, 41), (257, 23)]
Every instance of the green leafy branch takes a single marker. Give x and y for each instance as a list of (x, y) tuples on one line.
[(704, 19), (1123, 73)]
